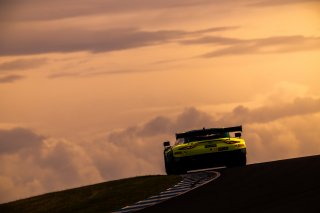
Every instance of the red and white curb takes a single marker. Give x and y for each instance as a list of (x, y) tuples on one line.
[(189, 182)]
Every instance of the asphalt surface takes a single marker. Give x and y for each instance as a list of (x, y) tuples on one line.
[(189, 182), (280, 186)]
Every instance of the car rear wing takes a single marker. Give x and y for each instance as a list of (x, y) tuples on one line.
[(211, 131)]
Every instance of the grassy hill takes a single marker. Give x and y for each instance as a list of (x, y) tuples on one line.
[(102, 197)]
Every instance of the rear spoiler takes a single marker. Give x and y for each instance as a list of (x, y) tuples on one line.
[(204, 132)]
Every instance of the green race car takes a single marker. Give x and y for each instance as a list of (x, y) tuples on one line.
[(205, 148)]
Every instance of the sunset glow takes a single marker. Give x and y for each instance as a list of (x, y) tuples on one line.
[(89, 89)]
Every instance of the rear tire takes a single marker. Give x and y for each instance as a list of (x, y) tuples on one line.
[(172, 168), (168, 167), (238, 160)]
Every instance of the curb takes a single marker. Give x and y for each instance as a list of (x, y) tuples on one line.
[(189, 182)]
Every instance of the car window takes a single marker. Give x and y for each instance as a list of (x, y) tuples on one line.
[(201, 138), (226, 135), (179, 141)]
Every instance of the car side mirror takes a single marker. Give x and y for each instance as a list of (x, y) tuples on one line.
[(238, 134), (166, 143)]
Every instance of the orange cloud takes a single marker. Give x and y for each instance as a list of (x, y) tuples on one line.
[(32, 164), (10, 78), (276, 44), (283, 131), (22, 64), (40, 10), (37, 41)]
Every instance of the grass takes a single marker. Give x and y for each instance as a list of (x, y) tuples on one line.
[(101, 197)]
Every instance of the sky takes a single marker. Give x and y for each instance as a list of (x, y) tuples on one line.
[(89, 90)]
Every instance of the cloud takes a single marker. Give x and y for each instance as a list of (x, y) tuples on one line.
[(285, 138), (109, 40), (275, 44), (215, 29), (268, 3), (85, 40), (190, 118), (89, 73), (32, 164), (22, 10), (22, 64), (61, 156), (10, 78), (17, 139), (70, 40), (213, 40), (35, 10), (299, 107)]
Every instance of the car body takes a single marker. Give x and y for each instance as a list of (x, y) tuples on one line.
[(205, 148)]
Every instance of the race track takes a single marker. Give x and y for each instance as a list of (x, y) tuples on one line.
[(281, 186)]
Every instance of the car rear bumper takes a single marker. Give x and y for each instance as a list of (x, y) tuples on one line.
[(210, 160)]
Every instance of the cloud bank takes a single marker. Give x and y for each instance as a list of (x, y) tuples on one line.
[(33, 164), (35, 10), (37, 41), (277, 131)]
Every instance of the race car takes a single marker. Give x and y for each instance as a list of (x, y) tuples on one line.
[(204, 148)]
